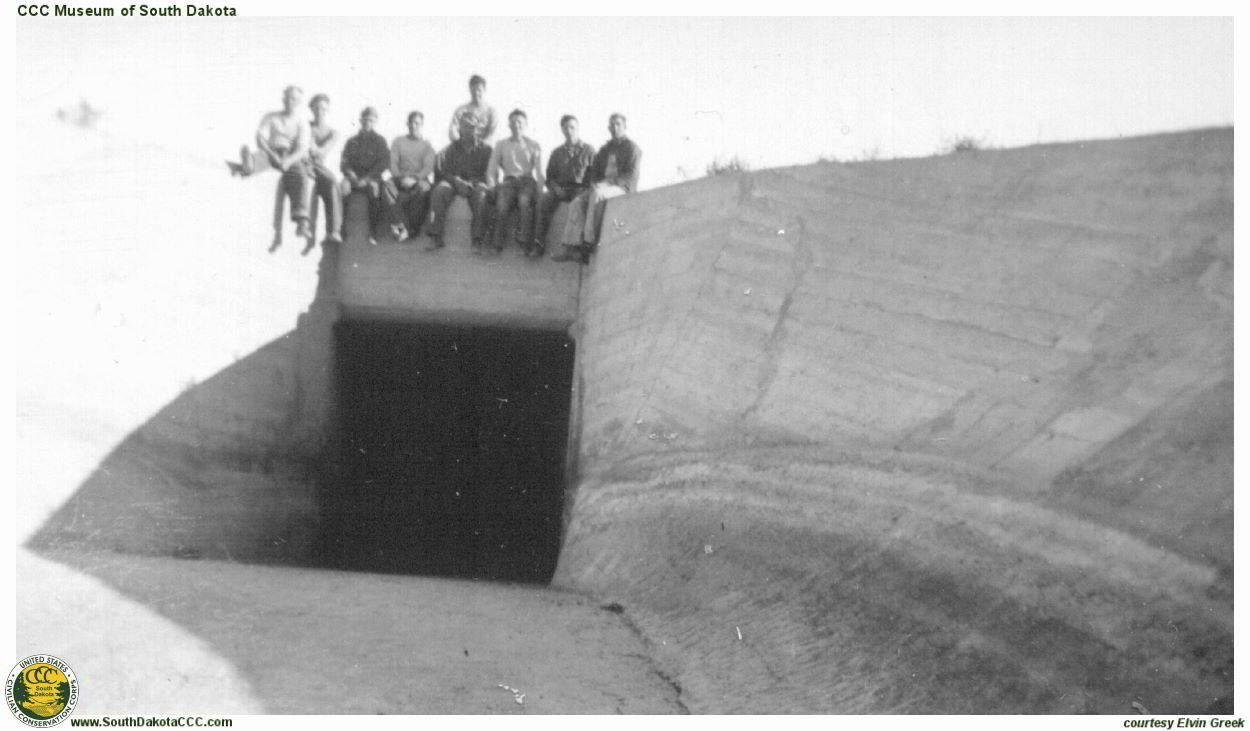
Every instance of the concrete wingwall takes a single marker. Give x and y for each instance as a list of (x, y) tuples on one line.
[(946, 435)]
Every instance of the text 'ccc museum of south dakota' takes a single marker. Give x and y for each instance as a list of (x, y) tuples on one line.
[(174, 11)]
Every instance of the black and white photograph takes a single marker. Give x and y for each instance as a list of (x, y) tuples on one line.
[(400, 365)]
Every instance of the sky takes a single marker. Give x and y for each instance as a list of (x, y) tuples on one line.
[(770, 91)]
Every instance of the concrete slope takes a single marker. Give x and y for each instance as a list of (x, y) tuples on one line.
[(895, 436)]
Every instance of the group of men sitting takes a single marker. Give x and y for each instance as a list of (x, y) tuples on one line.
[(407, 181)]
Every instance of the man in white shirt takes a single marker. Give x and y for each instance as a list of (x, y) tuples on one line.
[(283, 140), (478, 108), (321, 152), (516, 175), (412, 173)]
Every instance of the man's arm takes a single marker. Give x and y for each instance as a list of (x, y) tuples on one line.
[(395, 158), (262, 139), (448, 169), (320, 152), (426, 171), (490, 123), (536, 150), (381, 159), (453, 131), (440, 167), (492, 168), (299, 151), (629, 170), (349, 155), (478, 167), (556, 189), (598, 164)]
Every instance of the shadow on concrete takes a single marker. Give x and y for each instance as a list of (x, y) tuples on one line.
[(207, 476)]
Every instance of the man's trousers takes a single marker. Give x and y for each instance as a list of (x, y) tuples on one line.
[(408, 206), (596, 201), (523, 193), (441, 198), (326, 189)]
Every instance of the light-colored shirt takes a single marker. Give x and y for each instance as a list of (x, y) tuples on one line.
[(516, 159), (284, 133), (412, 158), (485, 114), (324, 149)]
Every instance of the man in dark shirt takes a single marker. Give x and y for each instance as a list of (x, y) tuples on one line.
[(566, 178), (613, 173), (365, 157), (461, 170)]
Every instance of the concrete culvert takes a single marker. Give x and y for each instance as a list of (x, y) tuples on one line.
[(452, 451), (948, 435)]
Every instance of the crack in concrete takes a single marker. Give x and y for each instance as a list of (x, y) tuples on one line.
[(800, 261), (647, 657)]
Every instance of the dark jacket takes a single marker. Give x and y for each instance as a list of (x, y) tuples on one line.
[(628, 156), (568, 165), (458, 161), (367, 155)]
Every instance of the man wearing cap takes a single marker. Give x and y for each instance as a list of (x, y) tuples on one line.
[(613, 173), (365, 158), (515, 176), (461, 170), (282, 140), (325, 142), (412, 172), (478, 108), (566, 178)]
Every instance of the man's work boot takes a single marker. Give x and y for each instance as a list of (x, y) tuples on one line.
[(436, 243), (303, 231)]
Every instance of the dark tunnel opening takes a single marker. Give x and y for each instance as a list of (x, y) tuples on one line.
[(450, 449)]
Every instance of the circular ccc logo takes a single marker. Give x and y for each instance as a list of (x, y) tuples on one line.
[(41, 691)]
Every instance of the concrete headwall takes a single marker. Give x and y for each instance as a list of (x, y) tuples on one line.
[(450, 285), (853, 435)]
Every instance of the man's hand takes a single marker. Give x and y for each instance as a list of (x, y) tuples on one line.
[(461, 185), (407, 182)]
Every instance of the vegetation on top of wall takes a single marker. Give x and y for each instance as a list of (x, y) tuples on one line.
[(728, 167), (966, 143)]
